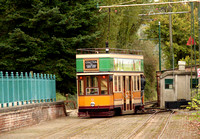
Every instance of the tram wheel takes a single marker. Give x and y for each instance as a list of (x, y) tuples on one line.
[(118, 112)]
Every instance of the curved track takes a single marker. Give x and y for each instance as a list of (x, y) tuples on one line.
[(139, 131)]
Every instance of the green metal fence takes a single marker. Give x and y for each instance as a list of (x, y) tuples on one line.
[(26, 89)]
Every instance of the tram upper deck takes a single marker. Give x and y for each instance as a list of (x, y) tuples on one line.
[(117, 60)]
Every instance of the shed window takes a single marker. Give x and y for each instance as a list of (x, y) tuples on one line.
[(168, 83), (194, 83)]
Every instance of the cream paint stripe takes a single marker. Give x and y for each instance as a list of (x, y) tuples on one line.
[(118, 102), (137, 101), (109, 56), (110, 73), (118, 99)]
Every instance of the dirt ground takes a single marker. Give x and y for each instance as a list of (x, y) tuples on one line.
[(126, 126)]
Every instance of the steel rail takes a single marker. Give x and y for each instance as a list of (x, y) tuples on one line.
[(133, 134), (66, 127), (83, 129), (143, 124), (63, 128), (168, 120)]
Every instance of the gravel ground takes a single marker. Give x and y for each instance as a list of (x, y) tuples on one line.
[(114, 127)]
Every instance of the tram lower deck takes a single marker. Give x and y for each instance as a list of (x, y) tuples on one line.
[(106, 95)]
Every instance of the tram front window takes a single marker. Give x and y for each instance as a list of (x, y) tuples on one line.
[(92, 85), (104, 87)]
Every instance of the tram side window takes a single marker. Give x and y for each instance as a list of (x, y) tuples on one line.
[(127, 84), (81, 87), (135, 83), (115, 83), (104, 87), (119, 83), (139, 83), (92, 85)]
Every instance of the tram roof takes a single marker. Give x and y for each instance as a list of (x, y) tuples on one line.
[(113, 52)]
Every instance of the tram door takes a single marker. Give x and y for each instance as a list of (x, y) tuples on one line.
[(127, 93)]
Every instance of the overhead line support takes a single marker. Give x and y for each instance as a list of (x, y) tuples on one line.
[(165, 13), (147, 4)]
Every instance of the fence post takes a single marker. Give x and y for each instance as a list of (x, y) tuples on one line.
[(54, 87), (34, 88), (51, 84), (30, 79), (48, 90), (45, 91), (38, 87), (42, 88), (27, 95), (17, 82), (22, 89), (2, 89), (7, 81), (13, 89)]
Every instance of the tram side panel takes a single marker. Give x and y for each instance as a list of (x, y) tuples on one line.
[(127, 93)]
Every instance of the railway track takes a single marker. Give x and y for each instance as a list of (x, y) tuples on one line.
[(64, 129), (72, 130), (136, 131)]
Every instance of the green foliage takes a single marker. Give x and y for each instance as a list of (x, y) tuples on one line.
[(42, 36), (195, 101), (150, 67), (120, 30), (181, 29), (195, 104), (60, 97)]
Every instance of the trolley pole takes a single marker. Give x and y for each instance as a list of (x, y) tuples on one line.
[(159, 47)]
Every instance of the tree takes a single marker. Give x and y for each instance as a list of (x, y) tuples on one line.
[(181, 32), (42, 36)]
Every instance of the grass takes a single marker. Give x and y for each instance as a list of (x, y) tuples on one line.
[(60, 97)]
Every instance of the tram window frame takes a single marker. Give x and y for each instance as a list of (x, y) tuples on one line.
[(117, 84), (127, 85), (81, 84), (90, 85), (139, 85), (132, 83), (107, 86), (135, 83)]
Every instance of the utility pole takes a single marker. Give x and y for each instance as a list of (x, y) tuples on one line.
[(171, 40), (159, 46), (199, 28)]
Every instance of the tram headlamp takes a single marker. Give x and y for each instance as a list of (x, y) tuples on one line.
[(92, 104)]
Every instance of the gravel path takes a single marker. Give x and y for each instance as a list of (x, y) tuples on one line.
[(114, 127)]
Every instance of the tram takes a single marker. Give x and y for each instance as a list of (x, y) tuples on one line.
[(108, 83)]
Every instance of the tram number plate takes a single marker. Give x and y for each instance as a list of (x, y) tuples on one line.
[(91, 64)]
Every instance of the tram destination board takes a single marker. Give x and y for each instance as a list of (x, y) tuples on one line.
[(91, 64)]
